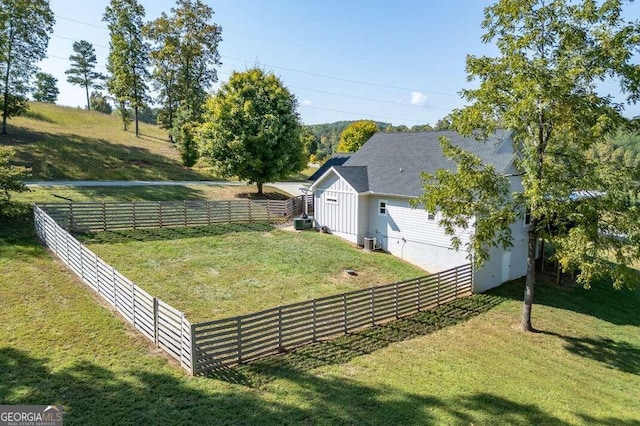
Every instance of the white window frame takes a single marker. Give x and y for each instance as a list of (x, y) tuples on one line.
[(383, 205)]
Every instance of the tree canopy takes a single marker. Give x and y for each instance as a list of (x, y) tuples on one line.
[(46, 89), (544, 87), (184, 57), (24, 35), (83, 63), (355, 135), (251, 129), (128, 57)]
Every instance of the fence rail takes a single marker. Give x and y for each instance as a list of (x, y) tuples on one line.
[(231, 341), (162, 324), (226, 342), (112, 216)]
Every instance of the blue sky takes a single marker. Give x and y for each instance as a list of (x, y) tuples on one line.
[(394, 61)]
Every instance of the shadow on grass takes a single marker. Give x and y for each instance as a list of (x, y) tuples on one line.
[(16, 229), (264, 196), (92, 394), (164, 234), (601, 301), (343, 349), (70, 156), (619, 355)]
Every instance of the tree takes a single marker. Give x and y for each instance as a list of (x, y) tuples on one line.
[(100, 103), (251, 129), (24, 35), (128, 57), (543, 86), (355, 135), (9, 175), (46, 89), (83, 64), (184, 57)]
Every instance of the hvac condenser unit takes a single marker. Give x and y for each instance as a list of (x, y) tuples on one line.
[(369, 244)]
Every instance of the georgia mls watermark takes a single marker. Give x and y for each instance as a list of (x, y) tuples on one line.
[(30, 415)]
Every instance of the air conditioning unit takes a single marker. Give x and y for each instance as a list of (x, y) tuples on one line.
[(369, 244)]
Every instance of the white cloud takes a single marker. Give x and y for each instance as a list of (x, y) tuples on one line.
[(418, 98), (306, 102)]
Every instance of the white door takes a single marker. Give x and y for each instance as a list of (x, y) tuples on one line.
[(506, 266)]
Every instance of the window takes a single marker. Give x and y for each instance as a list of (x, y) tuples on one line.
[(382, 207), (431, 216), (527, 217), (332, 200)]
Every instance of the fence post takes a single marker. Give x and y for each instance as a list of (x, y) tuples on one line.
[(314, 322), (344, 304), (395, 300), (104, 216), (438, 289), (239, 339), (184, 205), (113, 284), (455, 289), (280, 348), (160, 214), (419, 282), (194, 357), (208, 204), (70, 216), (155, 321), (373, 306), (133, 207), (133, 304)]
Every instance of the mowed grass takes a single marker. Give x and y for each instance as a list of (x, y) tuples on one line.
[(195, 191), (71, 143), (465, 363), (228, 270)]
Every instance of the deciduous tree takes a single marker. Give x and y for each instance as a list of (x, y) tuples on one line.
[(46, 88), (544, 86), (355, 135), (83, 64), (251, 129), (128, 57), (184, 58), (100, 103), (25, 26), (10, 175)]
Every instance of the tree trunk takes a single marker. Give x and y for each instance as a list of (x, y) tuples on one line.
[(259, 188), (86, 89), (137, 130), (525, 323), (5, 106)]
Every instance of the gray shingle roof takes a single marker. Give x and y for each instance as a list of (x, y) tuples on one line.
[(356, 176), (335, 160), (394, 161)]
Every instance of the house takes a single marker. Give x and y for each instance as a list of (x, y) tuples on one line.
[(368, 196)]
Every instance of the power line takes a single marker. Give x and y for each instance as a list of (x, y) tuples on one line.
[(300, 71), (341, 78)]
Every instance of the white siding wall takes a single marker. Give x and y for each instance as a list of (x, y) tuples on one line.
[(338, 216), (406, 233)]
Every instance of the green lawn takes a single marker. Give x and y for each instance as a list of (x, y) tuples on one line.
[(463, 364), (223, 271), (63, 143)]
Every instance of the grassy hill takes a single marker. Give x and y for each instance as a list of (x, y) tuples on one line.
[(74, 144)]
